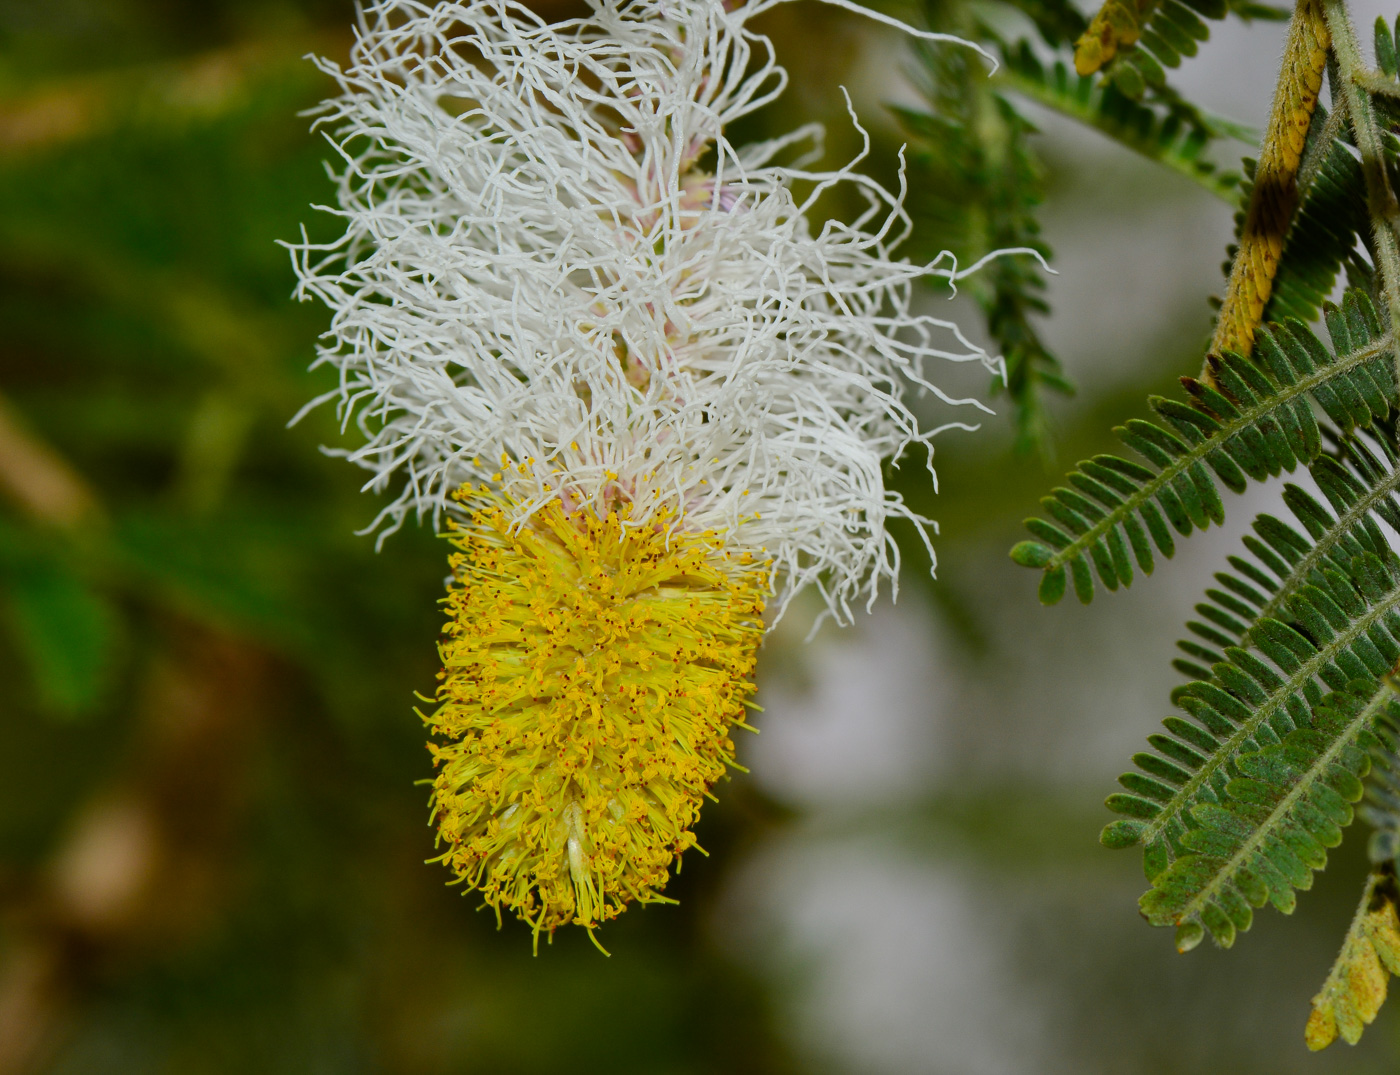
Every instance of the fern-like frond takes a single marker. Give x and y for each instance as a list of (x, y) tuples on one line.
[(1264, 824), (1256, 422), (1237, 806), (1175, 138), (1360, 487), (1333, 635)]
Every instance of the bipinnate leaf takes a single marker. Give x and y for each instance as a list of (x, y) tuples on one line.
[(1176, 137), (1264, 833), (1282, 558), (1251, 420), (1339, 632)]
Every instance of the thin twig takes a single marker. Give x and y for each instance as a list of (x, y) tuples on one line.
[(1380, 197)]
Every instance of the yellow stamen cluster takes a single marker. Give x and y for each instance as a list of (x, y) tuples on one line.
[(593, 669)]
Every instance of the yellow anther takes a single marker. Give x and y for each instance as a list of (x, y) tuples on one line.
[(593, 671)]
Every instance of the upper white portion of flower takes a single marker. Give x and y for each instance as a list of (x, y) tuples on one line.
[(553, 253)]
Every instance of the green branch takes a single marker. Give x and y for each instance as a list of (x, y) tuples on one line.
[(1380, 197)]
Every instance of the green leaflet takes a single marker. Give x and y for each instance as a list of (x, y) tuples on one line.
[(1176, 138), (1255, 699), (1256, 424), (1169, 32), (1385, 44), (1360, 487), (1271, 827)]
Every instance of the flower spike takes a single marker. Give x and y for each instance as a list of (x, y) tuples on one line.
[(648, 395)]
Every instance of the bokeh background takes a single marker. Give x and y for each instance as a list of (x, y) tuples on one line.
[(211, 839)]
